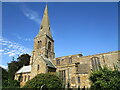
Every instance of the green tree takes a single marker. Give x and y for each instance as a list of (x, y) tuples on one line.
[(14, 66), (48, 80), (7, 83), (24, 59), (105, 79), (12, 84), (4, 77)]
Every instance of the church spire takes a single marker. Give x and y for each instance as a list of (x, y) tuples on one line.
[(45, 25)]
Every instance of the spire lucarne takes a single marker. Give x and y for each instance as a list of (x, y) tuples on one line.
[(45, 25)]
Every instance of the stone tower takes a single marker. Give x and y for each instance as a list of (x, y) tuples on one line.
[(43, 42)]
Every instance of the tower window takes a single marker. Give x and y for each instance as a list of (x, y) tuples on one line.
[(49, 46), (41, 27), (39, 44), (38, 67), (47, 53), (95, 63), (49, 27)]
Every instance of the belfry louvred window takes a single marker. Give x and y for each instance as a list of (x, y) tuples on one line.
[(41, 27), (49, 46), (39, 44)]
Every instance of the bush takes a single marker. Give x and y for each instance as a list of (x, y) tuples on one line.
[(105, 79), (11, 84), (44, 80)]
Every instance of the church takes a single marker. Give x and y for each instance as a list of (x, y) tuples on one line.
[(74, 70)]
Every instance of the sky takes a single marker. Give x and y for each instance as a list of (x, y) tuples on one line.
[(82, 27)]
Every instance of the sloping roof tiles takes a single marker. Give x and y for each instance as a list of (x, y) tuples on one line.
[(24, 69), (49, 63)]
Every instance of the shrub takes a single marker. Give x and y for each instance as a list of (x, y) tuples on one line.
[(44, 80), (105, 79)]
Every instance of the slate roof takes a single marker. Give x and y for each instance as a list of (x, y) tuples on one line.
[(49, 63), (24, 69)]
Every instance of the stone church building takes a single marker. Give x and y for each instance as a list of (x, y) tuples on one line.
[(74, 70)]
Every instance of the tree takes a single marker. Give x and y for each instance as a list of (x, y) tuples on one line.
[(7, 83), (14, 66), (4, 77), (24, 59), (48, 80), (105, 79)]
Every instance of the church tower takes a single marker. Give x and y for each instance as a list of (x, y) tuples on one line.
[(43, 42)]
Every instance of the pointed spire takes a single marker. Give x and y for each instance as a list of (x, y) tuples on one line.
[(45, 25), (45, 20)]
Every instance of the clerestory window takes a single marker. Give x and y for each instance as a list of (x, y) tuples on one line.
[(57, 62), (70, 60), (95, 63)]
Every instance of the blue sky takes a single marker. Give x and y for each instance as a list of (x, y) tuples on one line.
[(87, 28)]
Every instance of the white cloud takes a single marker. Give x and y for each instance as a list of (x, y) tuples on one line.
[(4, 66), (30, 14), (22, 39), (12, 48), (25, 39), (1, 51)]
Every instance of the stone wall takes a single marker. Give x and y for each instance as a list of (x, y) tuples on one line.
[(74, 69), (34, 67), (79, 67), (23, 78)]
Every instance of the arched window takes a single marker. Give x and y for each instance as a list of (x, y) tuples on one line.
[(41, 27), (95, 63), (39, 44), (38, 67), (21, 78), (70, 60), (28, 77), (25, 79), (49, 46), (57, 62), (49, 27), (62, 74), (47, 53), (77, 65), (78, 78)]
